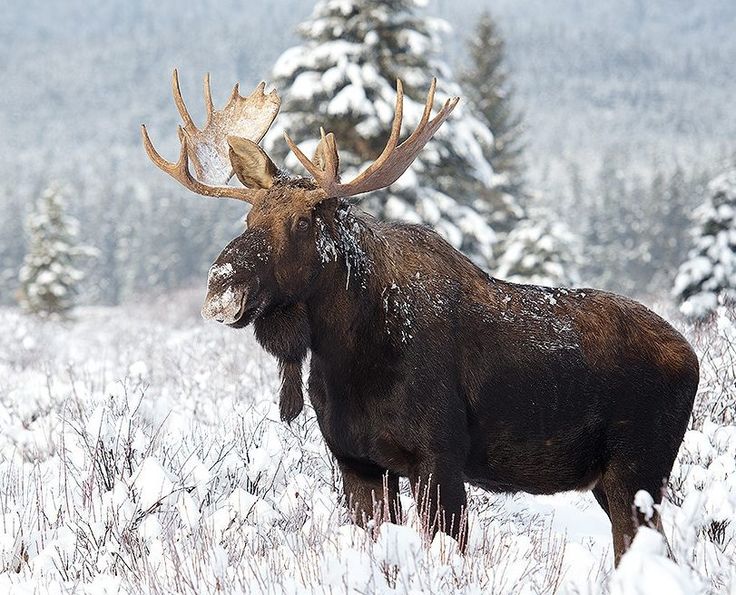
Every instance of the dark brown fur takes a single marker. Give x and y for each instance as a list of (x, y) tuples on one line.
[(284, 333), (425, 367)]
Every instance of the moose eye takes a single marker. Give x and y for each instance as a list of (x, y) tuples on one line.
[(302, 224)]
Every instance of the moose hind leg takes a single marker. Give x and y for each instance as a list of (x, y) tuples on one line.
[(371, 493), (441, 502), (620, 491)]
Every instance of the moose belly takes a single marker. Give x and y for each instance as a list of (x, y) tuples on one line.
[(368, 437), (507, 463), (386, 424), (541, 429)]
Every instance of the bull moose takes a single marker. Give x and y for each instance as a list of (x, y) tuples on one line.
[(422, 365)]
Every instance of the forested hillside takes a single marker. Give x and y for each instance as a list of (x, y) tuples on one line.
[(651, 79), (643, 73), (644, 83)]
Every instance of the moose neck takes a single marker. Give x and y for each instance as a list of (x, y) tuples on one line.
[(346, 292)]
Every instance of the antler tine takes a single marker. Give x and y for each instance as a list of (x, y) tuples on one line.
[(430, 101), (328, 160), (236, 92), (313, 170), (331, 159), (179, 100), (153, 154), (180, 171), (427, 129), (426, 113), (209, 106), (394, 161), (393, 139)]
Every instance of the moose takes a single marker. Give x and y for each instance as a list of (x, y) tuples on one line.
[(423, 365)]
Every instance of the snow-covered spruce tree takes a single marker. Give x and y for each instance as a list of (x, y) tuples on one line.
[(541, 250), (343, 77), (486, 81), (709, 274), (48, 277)]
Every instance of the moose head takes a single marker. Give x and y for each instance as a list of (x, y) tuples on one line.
[(278, 258)]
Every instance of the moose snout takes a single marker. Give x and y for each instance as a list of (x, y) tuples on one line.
[(224, 306), (224, 301)]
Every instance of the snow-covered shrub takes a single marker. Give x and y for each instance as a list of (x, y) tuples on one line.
[(157, 462), (646, 569), (142, 451)]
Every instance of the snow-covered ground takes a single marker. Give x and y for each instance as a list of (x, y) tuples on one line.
[(141, 451)]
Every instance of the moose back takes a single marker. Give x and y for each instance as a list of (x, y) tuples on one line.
[(422, 365)]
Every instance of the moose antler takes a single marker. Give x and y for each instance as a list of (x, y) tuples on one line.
[(247, 117), (391, 163)]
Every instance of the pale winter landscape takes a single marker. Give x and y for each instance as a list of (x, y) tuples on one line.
[(142, 449)]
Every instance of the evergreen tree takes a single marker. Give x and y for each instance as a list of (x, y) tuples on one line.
[(487, 84), (709, 274), (541, 250), (635, 228), (344, 77), (48, 277)]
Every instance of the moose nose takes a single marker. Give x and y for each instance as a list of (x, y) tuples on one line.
[(223, 306)]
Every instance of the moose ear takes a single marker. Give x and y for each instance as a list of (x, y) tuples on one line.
[(251, 164), (325, 155)]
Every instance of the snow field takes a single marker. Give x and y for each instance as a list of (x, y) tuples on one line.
[(141, 451)]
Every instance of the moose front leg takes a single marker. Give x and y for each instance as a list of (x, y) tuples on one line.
[(441, 501), (371, 492)]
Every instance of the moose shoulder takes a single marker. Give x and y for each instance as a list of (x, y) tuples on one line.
[(422, 365)]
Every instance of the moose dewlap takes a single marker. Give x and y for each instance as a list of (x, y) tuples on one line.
[(422, 365)]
